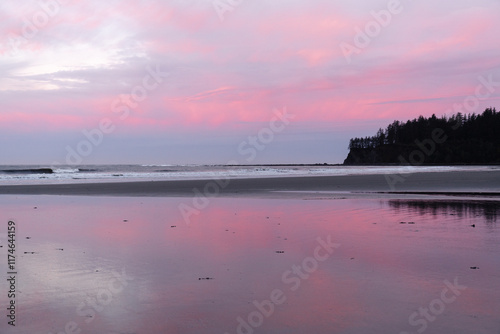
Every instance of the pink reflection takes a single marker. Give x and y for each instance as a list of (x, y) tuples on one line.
[(204, 276)]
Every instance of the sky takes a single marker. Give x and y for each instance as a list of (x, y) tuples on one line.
[(239, 81)]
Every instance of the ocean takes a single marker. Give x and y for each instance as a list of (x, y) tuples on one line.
[(41, 174)]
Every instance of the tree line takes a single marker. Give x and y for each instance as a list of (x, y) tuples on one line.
[(471, 138)]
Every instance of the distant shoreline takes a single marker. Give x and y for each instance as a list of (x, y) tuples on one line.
[(436, 183), (41, 166)]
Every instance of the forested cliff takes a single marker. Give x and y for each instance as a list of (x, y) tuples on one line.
[(459, 139)]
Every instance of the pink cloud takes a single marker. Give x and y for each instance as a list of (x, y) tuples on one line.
[(228, 74)]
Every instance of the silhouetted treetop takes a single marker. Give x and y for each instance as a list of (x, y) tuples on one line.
[(471, 138)]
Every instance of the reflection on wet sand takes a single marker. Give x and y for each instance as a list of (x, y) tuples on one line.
[(490, 210), (254, 265)]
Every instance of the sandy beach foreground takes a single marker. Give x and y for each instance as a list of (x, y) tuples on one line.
[(121, 264), (485, 183), (357, 257)]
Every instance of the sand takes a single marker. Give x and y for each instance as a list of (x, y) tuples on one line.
[(480, 183), (132, 265), (122, 257)]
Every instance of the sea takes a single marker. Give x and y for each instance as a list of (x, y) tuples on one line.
[(43, 174)]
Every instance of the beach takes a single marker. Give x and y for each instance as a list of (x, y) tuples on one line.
[(487, 182), (249, 167), (345, 254)]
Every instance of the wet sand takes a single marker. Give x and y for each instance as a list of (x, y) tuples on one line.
[(126, 257), (132, 265), (444, 183)]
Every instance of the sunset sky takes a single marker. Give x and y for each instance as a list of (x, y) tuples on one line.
[(188, 81)]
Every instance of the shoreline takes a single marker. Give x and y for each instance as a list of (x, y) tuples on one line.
[(461, 183)]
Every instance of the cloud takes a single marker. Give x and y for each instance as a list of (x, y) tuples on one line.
[(65, 74)]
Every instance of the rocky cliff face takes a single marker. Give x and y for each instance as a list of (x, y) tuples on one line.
[(362, 156), (387, 154)]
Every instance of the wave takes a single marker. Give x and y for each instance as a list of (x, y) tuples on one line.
[(28, 171), (160, 165), (66, 170), (133, 172)]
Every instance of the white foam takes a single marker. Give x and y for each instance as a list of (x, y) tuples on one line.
[(72, 175), (66, 170)]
